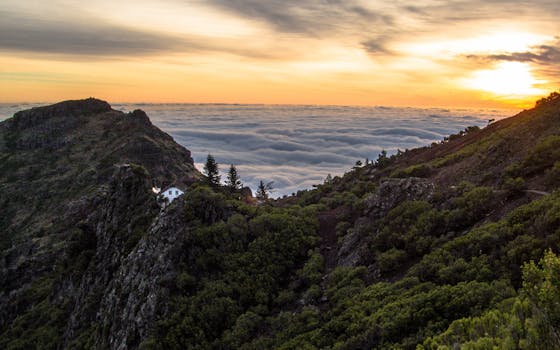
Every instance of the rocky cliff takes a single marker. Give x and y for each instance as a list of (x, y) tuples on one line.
[(79, 218)]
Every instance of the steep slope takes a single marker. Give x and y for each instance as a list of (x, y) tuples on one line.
[(75, 193), (490, 155), (422, 232)]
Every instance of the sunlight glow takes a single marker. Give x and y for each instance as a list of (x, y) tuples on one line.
[(506, 79), (509, 41), (432, 53)]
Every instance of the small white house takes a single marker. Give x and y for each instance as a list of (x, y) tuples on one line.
[(171, 193)]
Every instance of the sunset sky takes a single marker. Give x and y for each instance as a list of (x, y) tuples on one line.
[(472, 53)]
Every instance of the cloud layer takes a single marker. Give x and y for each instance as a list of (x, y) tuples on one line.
[(297, 146)]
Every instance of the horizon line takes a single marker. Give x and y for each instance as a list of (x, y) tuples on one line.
[(273, 104)]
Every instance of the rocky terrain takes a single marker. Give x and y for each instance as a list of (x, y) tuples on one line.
[(426, 249), (75, 191)]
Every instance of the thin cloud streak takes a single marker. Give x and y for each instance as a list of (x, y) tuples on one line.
[(74, 37), (312, 17)]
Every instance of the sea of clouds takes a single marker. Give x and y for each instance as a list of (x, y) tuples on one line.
[(297, 146)]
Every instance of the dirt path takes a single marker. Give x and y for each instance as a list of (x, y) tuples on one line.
[(542, 193), (327, 231)]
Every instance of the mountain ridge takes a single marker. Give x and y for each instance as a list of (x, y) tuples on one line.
[(394, 254), (73, 155)]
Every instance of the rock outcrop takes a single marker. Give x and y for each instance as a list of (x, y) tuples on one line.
[(391, 192), (87, 240), (126, 282)]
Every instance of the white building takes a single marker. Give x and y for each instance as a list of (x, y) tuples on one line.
[(171, 193)]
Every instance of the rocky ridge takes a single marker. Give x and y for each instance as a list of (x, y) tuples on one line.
[(74, 240)]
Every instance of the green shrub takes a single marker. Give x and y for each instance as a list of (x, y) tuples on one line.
[(543, 155), (529, 321), (205, 205), (342, 228), (514, 186), (418, 170), (313, 269), (553, 175), (391, 260)]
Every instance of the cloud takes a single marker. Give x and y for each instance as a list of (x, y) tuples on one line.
[(296, 147), (545, 58), (540, 54), (453, 11), (312, 17), (375, 46), (374, 26), (80, 36)]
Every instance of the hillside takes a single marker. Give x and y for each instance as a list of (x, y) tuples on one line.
[(59, 167), (427, 249)]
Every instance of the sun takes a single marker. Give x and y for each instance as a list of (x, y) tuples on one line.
[(507, 80)]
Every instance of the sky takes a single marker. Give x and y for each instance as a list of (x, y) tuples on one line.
[(471, 53)]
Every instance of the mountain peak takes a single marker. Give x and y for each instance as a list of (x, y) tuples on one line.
[(71, 108)]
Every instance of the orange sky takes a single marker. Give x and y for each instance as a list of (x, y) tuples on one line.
[(422, 53)]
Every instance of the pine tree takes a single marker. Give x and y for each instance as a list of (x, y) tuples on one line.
[(382, 159), (357, 165), (233, 182), (211, 171), (263, 190)]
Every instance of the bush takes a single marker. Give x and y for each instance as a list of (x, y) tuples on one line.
[(528, 321), (205, 205), (543, 155), (342, 228), (552, 97), (391, 260), (419, 170), (553, 175), (471, 206), (514, 186)]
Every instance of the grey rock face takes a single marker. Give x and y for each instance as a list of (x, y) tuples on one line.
[(354, 249), (122, 292), (140, 290), (392, 192), (354, 245), (81, 236)]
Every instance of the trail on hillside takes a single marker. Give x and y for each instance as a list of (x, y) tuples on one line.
[(542, 193)]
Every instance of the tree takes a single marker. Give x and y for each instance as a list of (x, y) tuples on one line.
[(263, 190), (553, 96), (233, 182), (382, 159), (357, 165), (211, 171)]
